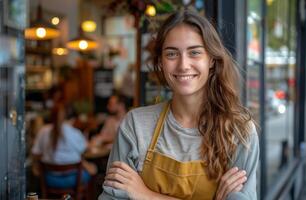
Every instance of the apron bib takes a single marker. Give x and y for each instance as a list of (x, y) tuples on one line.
[(165, 175)]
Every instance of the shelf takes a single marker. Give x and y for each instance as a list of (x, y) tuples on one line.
[(39, 51), (37, 68), (41, 88)]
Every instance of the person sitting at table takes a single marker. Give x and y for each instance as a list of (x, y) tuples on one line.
[(60, 143), (117, 108)]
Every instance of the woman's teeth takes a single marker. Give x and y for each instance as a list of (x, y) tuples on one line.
[(184, 77)]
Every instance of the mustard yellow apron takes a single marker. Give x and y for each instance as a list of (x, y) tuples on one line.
[(165, 175)]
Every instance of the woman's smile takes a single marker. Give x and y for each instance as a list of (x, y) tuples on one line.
[(185, 62), (185, 78)]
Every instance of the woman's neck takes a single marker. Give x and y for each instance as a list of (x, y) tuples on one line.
[(186, 110)]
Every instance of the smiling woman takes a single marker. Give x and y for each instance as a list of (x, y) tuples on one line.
[(185, 63), (202, 144)]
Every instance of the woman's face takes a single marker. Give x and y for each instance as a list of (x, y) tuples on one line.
[(185, 62)]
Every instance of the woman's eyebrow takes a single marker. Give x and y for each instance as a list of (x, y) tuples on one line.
[(195, 47), (188, 48), (171, 48)]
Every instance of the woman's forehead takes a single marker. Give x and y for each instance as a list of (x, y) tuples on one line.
[(183, 36)]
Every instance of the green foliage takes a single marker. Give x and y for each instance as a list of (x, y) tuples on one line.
[(280, 13)]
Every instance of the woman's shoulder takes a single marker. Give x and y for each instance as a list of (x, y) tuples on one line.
[(150, 109), (145, 113), (140, 122)]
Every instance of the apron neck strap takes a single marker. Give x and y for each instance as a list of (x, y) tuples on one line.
[(159, 126)]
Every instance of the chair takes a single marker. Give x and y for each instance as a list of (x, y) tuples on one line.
[(78, 192)]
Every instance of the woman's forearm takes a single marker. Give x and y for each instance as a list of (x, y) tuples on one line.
[(158, 196)]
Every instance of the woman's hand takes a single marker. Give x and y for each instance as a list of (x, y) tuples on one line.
[(121, 176), (231, 181)]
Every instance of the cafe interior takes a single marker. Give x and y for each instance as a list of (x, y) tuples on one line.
[(90, 57), (83, 64)]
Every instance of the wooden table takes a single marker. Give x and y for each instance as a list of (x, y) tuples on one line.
[(96, 152)]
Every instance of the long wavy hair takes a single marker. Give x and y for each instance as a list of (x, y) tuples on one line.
[(223, 121), (57, 117)]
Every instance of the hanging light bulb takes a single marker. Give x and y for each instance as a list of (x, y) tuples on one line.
[(150, 10), (82, 43), (55, 20), (60, 50), (40, 29), (41, 32), (89, 26)]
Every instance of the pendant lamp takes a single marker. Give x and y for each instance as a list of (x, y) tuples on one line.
[(82, 42), (41, 29), (60, 50)]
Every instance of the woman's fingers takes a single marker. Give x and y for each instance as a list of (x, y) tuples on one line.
[(230, 181), (118, 174), (123, 166), (119, 171), (237, 183), (114, 184), (224, 181), (123, 177), (238, 188), (236, 176), (116, 177), (229, 173)]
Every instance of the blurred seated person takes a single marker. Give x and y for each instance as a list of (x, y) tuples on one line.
[(60, 143), (33, 127), (117, 108)]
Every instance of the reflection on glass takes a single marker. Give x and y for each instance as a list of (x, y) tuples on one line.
[(254, 30), (280, 67), (253, 63)]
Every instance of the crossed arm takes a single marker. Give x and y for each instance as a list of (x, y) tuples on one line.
[(122, 180), (122, 176)]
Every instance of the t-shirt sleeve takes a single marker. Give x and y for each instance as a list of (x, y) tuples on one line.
[(247, 159), (125, 150)]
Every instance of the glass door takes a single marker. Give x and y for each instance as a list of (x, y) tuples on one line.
[(12, 143)]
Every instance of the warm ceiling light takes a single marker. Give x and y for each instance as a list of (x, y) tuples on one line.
[(41, 32), (89, 26), (83, 44), (55, 20), (40, 29), (60, 51), (150, 10)]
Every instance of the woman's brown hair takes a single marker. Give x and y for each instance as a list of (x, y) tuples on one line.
[(57, 118), (223, 121)]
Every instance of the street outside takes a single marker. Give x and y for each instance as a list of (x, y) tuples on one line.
[(278, 128)]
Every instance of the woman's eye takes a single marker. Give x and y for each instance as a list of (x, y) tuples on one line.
[(171, 54), (194, 53)]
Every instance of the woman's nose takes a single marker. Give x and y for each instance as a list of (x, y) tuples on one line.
[(184, 63)]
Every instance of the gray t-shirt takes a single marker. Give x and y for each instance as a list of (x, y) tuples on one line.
[(183, 144)]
